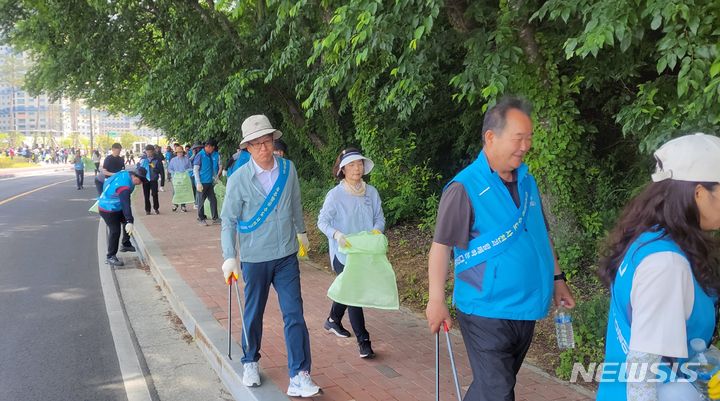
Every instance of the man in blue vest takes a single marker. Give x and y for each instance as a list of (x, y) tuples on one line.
[(490, 219), (114, 208), (262, 209), (206, 169), (152, 163)]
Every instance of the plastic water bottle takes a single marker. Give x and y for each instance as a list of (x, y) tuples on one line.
[(563, 327), (705, 363)]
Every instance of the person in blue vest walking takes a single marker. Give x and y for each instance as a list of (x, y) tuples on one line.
[(206, 170), (152, 164), (237, 160), (660, 268), (79, 170), (263, 211), (114, 208), (490, 219)]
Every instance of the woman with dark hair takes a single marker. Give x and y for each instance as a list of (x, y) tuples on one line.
[(661, 271), (350, 207), (96, 159)]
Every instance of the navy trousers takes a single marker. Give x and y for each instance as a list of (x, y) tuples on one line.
[(284, 275)]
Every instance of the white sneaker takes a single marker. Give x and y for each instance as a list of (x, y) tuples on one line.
[(302, 386), (162, 189), (251, 377)]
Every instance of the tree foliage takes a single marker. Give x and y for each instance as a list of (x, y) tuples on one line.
[(406, 80)]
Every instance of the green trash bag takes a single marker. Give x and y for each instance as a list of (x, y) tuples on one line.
[(94, 208), (89, 164), (182, 189), (368, 279), (220, 195)]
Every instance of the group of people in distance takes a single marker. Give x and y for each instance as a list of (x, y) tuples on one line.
[(492, 227)]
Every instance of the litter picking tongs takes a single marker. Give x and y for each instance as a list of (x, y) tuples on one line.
[(452, 363), (234, 279)]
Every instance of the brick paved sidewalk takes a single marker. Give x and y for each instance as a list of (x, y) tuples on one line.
[(404, 366)]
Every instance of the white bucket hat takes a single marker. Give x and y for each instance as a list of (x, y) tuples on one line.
[(255, 127), (693, 158), (347, 157)]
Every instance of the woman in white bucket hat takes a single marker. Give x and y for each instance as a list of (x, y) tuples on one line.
[(662, 275), (350, 207)]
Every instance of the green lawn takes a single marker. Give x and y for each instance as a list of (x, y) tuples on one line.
[(18, 162)]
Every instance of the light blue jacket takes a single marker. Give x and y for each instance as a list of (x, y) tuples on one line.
[(277, 237), (179, 164), (349, 214), (507, 271)]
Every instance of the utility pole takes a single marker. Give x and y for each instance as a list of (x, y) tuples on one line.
[(91, 131)]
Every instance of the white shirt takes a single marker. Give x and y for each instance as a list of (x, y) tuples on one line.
[(267, 178), (662, 298)]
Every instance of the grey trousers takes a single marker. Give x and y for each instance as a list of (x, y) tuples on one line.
[(496, 349)]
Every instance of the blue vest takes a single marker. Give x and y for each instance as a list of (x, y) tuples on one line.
[(209, 166), (149, 166), (109, 200), (242, 159), (507, 271), (701, 323)]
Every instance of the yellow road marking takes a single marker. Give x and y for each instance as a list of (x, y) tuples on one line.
[(2, 202)]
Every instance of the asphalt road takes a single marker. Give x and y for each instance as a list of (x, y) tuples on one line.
[(55, 340)]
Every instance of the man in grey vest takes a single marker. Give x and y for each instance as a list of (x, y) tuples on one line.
[(262, 209)]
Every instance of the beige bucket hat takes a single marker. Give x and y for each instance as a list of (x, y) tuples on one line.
[(255, 127)]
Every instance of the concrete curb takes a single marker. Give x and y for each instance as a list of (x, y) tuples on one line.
[(209, 335)]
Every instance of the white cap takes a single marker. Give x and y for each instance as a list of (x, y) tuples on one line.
[(693, 158), (349, 157)]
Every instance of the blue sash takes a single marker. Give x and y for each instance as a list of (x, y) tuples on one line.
[(493, 243), (270, 201)]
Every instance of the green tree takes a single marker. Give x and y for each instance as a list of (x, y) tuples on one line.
[(127, 139), (408, 81)]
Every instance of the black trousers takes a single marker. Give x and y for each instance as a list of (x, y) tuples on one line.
[(79, 177), (208, 192), (496, 349), (98, 186), (148, 188), (357, 317), (97, 167), (192, 181), (116, 223)]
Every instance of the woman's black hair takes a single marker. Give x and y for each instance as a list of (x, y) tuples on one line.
[(670, 206)]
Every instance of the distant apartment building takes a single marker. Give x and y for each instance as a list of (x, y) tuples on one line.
[(38, 116)]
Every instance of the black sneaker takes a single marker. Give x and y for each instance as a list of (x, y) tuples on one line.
[(129, 248), (183, 208), (157, 211), (114, 261), (336, 328), (366, 350), (174, 209), (147, 212)]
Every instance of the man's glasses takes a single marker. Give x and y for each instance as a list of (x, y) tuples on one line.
[(263, 144)]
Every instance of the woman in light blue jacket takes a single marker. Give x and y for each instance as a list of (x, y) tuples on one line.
[(180, 164), (350, 207)]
